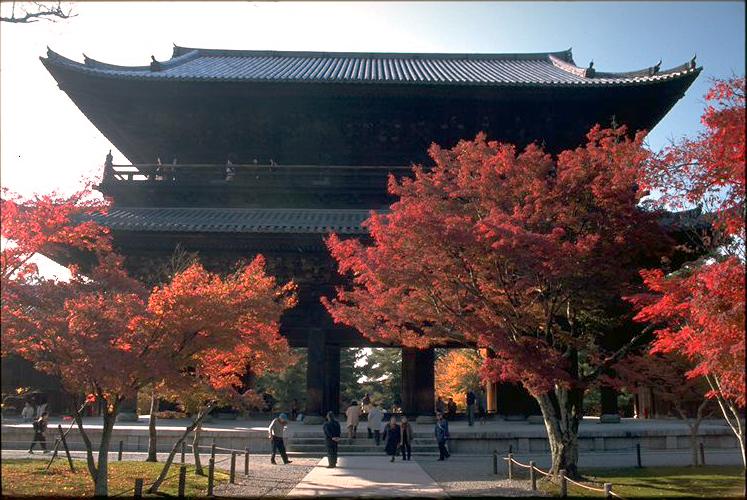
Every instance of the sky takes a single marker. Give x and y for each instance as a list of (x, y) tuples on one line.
[(48, 144)]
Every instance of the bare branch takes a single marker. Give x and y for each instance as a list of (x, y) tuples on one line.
[(39, 11)]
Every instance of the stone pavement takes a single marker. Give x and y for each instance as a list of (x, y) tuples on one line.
[(371, 476)]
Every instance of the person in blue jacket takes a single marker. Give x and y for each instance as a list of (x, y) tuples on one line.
[(442, 435)]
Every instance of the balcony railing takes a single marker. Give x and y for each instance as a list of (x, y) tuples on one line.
[(244, 173)]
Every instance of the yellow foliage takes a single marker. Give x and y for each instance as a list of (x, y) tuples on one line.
[(456, 373)]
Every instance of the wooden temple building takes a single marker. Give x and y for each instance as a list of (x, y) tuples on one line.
[(239, 152)]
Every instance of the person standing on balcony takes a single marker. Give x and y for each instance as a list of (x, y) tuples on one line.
[(276, 431)]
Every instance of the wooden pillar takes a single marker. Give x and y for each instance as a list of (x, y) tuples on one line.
[(315, 380), (608, 398), (515, 401), (418, 384), (491, 388), (331, 379)]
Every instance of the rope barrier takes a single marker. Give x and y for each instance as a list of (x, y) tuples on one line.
[(547, 474), (583, 485)]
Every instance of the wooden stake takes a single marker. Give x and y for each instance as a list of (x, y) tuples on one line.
[(67, 450)]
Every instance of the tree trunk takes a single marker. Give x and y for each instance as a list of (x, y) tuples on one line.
[(152, 436), (196, 450), (561, 410), (101, 485), (198, 421), (732, 415)]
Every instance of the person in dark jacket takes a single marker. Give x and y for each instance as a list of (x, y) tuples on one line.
[(331, 430), (40, 427), (442, 435), (405, 441), (392, 438), (471, 399)]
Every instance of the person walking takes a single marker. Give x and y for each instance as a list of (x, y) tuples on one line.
[(353, 414), (470, 408), (375, 415), (275, 431), (40, 427), (392, 437), (442, 435), (405, 441), (451, 409), (482, 406), (440, 405), (27, 414), (331, 430)]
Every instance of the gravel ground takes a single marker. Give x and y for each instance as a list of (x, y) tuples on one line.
[(473, 476), (265, 479)]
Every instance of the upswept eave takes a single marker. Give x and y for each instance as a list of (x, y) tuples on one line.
[(533, 69)]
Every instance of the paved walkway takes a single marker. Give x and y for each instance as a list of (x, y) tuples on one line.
[(368, 477)]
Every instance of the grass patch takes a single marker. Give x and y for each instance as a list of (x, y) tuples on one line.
[(661, 482), (27, 477)]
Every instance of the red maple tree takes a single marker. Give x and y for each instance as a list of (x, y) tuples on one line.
[(510, 251), (699, 311), (105, 334), (666, 376)]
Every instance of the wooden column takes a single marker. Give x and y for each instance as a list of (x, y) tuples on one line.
[(515, 401), (491, 388), (315, 380), (331, 379), (418, 385), (608, 398)]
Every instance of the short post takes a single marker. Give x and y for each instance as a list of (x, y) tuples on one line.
[(182, 480), (67, 450), (533, 475), (702, 453), (119, 452), (563, 484), (510, 465), (246, 462), (232, 476), (607, 490), (184, 450), (211, 476), (510, 448), (638, 455), (495, 462), (212, 450), (138, 488)]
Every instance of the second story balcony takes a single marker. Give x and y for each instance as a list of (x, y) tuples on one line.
[(252, 185)]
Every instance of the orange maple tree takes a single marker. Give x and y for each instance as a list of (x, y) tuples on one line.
[(104, 334), (456, 372)]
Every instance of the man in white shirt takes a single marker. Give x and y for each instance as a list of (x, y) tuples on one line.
[(375, 415), (275, 433)]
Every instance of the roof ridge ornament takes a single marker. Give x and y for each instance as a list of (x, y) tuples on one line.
[(692, 61), (655, 69), (154, 65)]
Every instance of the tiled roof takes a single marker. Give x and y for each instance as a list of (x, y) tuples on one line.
[(547, 68), (235, 220)]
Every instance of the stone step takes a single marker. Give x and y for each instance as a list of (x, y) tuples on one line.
[(369, 450), (345, 441)]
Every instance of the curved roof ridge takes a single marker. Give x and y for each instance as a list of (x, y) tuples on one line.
[(563, 54), (590, 72)]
